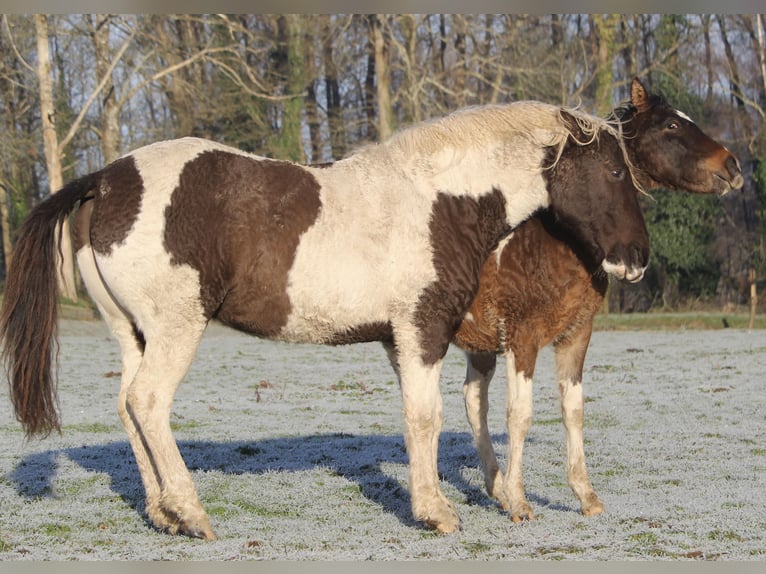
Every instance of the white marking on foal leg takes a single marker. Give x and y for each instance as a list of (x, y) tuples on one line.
[(519, 421), (572, 410), (478, 375), (423, 417)]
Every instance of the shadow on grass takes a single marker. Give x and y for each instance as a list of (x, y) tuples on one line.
[(360, 459)]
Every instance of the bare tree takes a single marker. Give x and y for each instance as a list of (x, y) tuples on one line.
[(382, 73), (67, 285), (110, 108)]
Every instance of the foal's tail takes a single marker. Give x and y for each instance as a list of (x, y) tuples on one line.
[(28, 317)]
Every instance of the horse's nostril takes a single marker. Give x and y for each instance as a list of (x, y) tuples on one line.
[(640, 256)]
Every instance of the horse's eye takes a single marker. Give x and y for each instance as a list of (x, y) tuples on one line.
[(673, 125), (618, 174)]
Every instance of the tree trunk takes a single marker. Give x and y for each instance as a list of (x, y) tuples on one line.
[(384, 80), (753, 297), (289, 139), (332, 92), (67, 286), (735, 84), (369, 81), (5, 223), (761, 45), (110, 124), (708, 63), (606, 29), (312, 120)]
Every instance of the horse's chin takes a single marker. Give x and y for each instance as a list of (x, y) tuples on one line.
[(623, 272), (722, 186)]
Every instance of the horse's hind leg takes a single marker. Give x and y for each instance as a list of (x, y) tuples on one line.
[(132, 350), (570, 356), (170, 345), (123, 330), (479, 371)]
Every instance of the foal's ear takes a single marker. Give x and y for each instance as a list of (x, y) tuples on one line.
[(573, 125), (639, 95)]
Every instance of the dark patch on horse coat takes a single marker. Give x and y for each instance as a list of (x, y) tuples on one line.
[(366, 333), (238, 221), (116, 204), (463, 231)]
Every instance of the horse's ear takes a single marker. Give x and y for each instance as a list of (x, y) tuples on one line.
[(573, 125), (639, 95)]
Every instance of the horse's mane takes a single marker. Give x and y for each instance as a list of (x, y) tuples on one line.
[(477, 126), (480, 126)]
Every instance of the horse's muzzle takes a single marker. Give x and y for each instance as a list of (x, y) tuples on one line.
[(624, 272)]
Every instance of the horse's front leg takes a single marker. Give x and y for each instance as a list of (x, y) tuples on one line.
[(570, 357), (423, 416), (519, 414), (479, 371)]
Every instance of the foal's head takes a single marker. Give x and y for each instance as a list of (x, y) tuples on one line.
[(669, 150), (594, 198)]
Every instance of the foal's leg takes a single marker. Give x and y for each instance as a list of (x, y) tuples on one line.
[(570, 357), (423, 416), (519, 420), (481, 367)]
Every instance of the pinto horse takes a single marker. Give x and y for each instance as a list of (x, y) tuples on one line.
[(543, 284), (385, 245)]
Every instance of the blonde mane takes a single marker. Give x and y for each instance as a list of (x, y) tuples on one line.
[(484, 126)]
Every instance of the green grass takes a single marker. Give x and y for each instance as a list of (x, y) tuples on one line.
[(92, 428), (57, 530), (653, 320), (644, 538), (669, 321)]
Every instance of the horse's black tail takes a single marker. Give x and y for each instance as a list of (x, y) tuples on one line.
[(28, 318)]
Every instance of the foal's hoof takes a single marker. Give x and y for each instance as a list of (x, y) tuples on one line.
[(448, 528), (197, 529), (522, 514), (592, 506), (445, 522)]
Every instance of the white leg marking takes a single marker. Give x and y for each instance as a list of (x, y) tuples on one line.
[(519, 421), (476, 399), (423, 415), (572, 409)]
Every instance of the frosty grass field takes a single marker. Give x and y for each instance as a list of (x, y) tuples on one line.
[(297, 452)]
